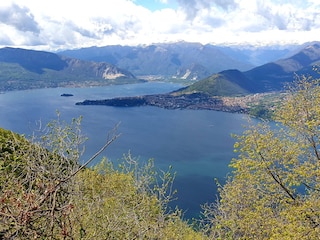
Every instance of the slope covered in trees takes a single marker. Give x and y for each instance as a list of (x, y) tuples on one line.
[(45, 193), (273, 192)]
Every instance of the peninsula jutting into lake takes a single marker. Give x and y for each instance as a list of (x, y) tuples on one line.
[(194, 101)]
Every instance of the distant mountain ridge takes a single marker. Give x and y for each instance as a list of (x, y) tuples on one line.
[(266, 78), (34, 61), (25, 69), (181, 60), (231, 90), (259, 55)]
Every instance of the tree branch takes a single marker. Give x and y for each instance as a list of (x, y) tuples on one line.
[(278, 181)]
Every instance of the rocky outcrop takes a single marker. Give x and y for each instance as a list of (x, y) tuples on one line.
[(98, 70)]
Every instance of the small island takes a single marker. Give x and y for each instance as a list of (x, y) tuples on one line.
[(66, 95)]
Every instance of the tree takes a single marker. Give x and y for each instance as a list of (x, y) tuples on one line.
[(36, 178), (129, 202), (46, 193), (274, 190)]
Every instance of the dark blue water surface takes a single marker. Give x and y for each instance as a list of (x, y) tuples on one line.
[(197, 143)]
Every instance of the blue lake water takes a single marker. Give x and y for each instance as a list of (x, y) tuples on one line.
[(197, 143)]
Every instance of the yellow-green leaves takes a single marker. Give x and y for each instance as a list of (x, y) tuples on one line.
[(115, 206), (274, 191), (49, 195)]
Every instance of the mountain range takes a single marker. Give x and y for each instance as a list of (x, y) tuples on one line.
[(96, 66), (181, 60), (268, 77), (25, 69), (231, 90)]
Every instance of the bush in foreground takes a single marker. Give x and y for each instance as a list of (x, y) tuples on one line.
[(45, 193)]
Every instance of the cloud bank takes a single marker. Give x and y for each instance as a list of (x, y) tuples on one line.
[(58, 24)]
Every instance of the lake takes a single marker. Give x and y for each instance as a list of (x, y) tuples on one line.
[(196, 143)]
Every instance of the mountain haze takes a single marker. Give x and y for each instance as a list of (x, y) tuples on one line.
[(272, 76), (259, 55), (181, 60)]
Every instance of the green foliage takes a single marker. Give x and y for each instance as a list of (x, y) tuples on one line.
[(130, 204), (45, 193), (264, 105), (261, 111), (217, 85), (36, 184), (273, 192)]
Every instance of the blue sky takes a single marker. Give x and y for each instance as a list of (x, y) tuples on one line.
[(154, 5), (67, 24)]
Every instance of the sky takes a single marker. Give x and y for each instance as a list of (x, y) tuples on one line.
[(70, 24)]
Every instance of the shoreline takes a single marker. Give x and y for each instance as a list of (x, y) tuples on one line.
[(193, 101)]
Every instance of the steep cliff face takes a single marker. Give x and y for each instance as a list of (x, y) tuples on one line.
[(99, 70), (112, 72), (193, 72)]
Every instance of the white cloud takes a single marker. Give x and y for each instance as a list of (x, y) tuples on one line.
[(60, 24), (19, 18)]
